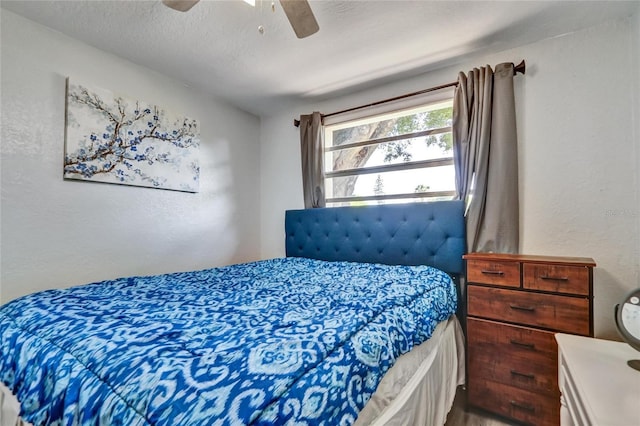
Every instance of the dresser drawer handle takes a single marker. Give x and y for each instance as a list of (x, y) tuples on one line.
[(527, 376), (524, 345), (488, 272), (524, 407), (554, 278), (523, 308)]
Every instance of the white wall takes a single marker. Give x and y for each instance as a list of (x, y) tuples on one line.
[(57, 233), (578, 157), (635, 48)]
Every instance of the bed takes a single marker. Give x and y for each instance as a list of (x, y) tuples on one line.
[(354, 326)]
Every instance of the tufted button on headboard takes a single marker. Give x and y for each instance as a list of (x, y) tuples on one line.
[(429, 233)]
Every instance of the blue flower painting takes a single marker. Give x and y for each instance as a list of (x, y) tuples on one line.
[(115, 139)]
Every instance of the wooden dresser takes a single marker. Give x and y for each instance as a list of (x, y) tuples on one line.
[(515, 304)]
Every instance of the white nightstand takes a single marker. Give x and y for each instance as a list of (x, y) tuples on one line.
[(597, 386)]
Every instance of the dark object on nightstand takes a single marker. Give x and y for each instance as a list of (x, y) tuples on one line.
[(628, 323)]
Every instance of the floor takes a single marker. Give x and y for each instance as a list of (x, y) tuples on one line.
[(459, 417)]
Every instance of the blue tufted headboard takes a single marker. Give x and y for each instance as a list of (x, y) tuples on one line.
[(431, 233)]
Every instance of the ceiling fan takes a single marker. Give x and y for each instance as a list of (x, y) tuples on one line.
[(298, 12)]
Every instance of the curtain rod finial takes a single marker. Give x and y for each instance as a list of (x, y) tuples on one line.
[(520, 68), (296, 122)]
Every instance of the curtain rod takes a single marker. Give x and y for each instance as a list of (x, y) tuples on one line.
[(520, 68)]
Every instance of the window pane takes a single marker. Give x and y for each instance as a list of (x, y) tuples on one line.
[(394, 201), (410, 123), (391, 171), (363, 132), (432, 179), (416, 149)]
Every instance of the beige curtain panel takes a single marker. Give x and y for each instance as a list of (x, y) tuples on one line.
[(312, 151), (485, 153)]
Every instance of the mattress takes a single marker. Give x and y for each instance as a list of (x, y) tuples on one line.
[(301, 340)]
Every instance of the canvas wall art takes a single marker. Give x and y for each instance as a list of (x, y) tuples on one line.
[(116, 139)]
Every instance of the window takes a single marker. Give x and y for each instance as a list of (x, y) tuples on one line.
[(404, 156)]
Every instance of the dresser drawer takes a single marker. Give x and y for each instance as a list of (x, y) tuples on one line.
[(518, 404), (556, 278), (518, 356), (559, 313), (494, 272)]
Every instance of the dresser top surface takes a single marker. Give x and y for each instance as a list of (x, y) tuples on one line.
[(609, 389), (531, 258)]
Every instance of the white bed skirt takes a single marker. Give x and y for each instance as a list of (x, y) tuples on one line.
[(418, 390), (9, 408)]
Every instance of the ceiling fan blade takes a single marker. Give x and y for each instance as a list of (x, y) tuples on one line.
[(180, 5), (300, 17)]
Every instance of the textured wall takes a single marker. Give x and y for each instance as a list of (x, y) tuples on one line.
[(579, 191), (635, 48), (57, 233), (580, 194)]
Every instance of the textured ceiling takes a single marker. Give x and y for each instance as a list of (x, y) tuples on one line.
[(216, 46)]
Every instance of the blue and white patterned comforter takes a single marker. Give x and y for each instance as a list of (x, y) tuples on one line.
[(282, 341)]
